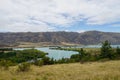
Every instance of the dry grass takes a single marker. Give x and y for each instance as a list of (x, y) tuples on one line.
[(75, 71), (92, 50), (30, 44)]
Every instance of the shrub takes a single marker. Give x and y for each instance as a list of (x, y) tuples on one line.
[(52, 61), (75, 57), (39, 63), (23, 67), (46, 60)]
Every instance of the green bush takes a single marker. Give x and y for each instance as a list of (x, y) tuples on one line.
[(39, 63), (52, 61), (76, 57), (46, 60), (23, 67)]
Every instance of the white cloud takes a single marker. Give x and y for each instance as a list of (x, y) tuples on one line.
[(81, 31), (37, 15)]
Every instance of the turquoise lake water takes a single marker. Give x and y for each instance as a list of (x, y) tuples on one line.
[(57, 54)]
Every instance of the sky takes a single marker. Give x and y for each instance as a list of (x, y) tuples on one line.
[(59, 15)]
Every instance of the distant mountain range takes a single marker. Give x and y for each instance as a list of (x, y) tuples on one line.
[(58, 38)]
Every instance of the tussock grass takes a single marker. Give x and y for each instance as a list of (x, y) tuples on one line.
[(75, 71)]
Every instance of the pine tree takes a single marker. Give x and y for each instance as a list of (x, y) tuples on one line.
[(82, 55), (106, 50), (118, 52)]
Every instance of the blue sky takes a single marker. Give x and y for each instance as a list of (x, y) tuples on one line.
[(82, 27), (59, 15)]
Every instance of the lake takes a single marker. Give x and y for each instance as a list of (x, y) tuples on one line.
[(56, 54)]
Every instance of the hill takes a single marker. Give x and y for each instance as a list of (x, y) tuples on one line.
[(75, 71), (57, 38)]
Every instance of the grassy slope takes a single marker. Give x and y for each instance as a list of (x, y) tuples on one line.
[(75, 71)]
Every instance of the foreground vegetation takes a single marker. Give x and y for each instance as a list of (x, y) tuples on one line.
[(109, 70)]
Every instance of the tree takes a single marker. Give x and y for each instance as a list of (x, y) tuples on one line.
[(82, 55), (106, 50), (117, 53), (118, 50)]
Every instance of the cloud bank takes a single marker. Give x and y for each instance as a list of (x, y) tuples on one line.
[(48, 15)]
